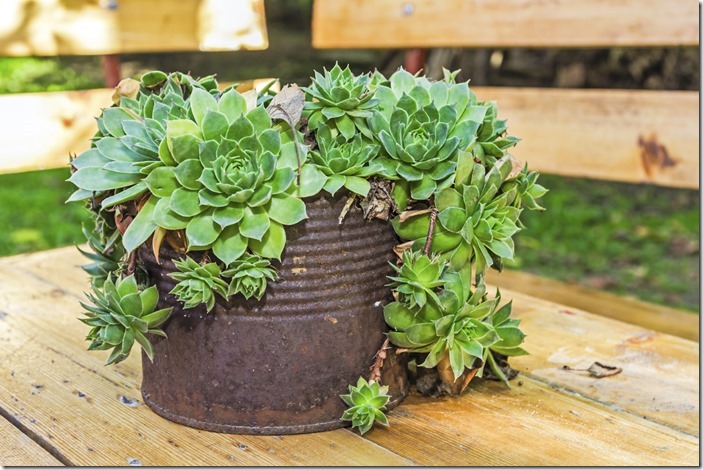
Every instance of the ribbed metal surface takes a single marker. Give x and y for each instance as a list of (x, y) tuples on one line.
[(279, 365)]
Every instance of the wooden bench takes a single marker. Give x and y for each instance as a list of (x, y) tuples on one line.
[(636, 136), (60, 405)]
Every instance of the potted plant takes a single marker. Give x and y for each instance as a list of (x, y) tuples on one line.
[(268, 249)]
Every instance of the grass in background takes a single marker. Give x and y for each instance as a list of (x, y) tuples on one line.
[(628, 239), (31, 74), (33, 214)]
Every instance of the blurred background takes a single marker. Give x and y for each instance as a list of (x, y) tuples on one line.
[(638, 240)]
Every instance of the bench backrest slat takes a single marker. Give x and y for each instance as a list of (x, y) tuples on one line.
[(503, 23), (637, 136), (89, 27)]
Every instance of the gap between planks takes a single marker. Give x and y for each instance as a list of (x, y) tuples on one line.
[(18, 446)]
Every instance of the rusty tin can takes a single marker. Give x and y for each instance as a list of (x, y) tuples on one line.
[(278, 366)]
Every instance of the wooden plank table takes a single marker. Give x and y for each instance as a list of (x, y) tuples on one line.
[(58, 403)]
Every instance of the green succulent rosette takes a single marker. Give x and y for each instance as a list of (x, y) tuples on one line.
[(366, 404), (120, 314), (345, 163), (341, 101), (476, 218), (198, 283), (417, 278), (128, 144), (457, 326), (422, 125), (249, 276)]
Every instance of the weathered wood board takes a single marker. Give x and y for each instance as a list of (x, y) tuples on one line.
[(632, 136), (503, 23), (91, 27), (19, 450), (575, 419), (628, 309)]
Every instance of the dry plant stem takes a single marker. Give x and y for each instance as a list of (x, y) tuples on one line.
[(430, 232), (378, 363), (132, 265), (345, 209), (405, 215)]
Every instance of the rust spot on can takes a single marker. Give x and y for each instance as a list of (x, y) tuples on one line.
[(655, 156), (282, 362)]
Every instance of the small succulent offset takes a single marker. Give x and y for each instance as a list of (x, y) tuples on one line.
[(417, 278), (197, 284), (340, 101), (249, 275), (120, 314), (366, 404)]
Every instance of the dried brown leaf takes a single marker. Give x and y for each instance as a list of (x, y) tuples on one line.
[(287, 105), (598, 370)]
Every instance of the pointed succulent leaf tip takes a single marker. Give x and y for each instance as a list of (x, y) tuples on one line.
[(197, 283), (366, 404), (118, 313)]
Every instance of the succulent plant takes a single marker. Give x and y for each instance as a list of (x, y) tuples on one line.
[(197, 284), (343, 102), (128, 144), (121, 314), (474, 220), (249, 275), (528, 191), (366, 402), (346, 163), (107, 253), (417, 278), (421, 126), (456, 327)]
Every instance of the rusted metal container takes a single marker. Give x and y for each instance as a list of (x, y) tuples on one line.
[(278, 366)]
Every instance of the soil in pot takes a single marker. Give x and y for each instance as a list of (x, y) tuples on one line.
[(278, 366)]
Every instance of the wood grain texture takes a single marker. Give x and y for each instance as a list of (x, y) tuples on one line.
[(19, 450), (503, 23), (529, 425), (79, 27), (622, 135), (660, 373), (65, 121), (575, 419), (628, 309)]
